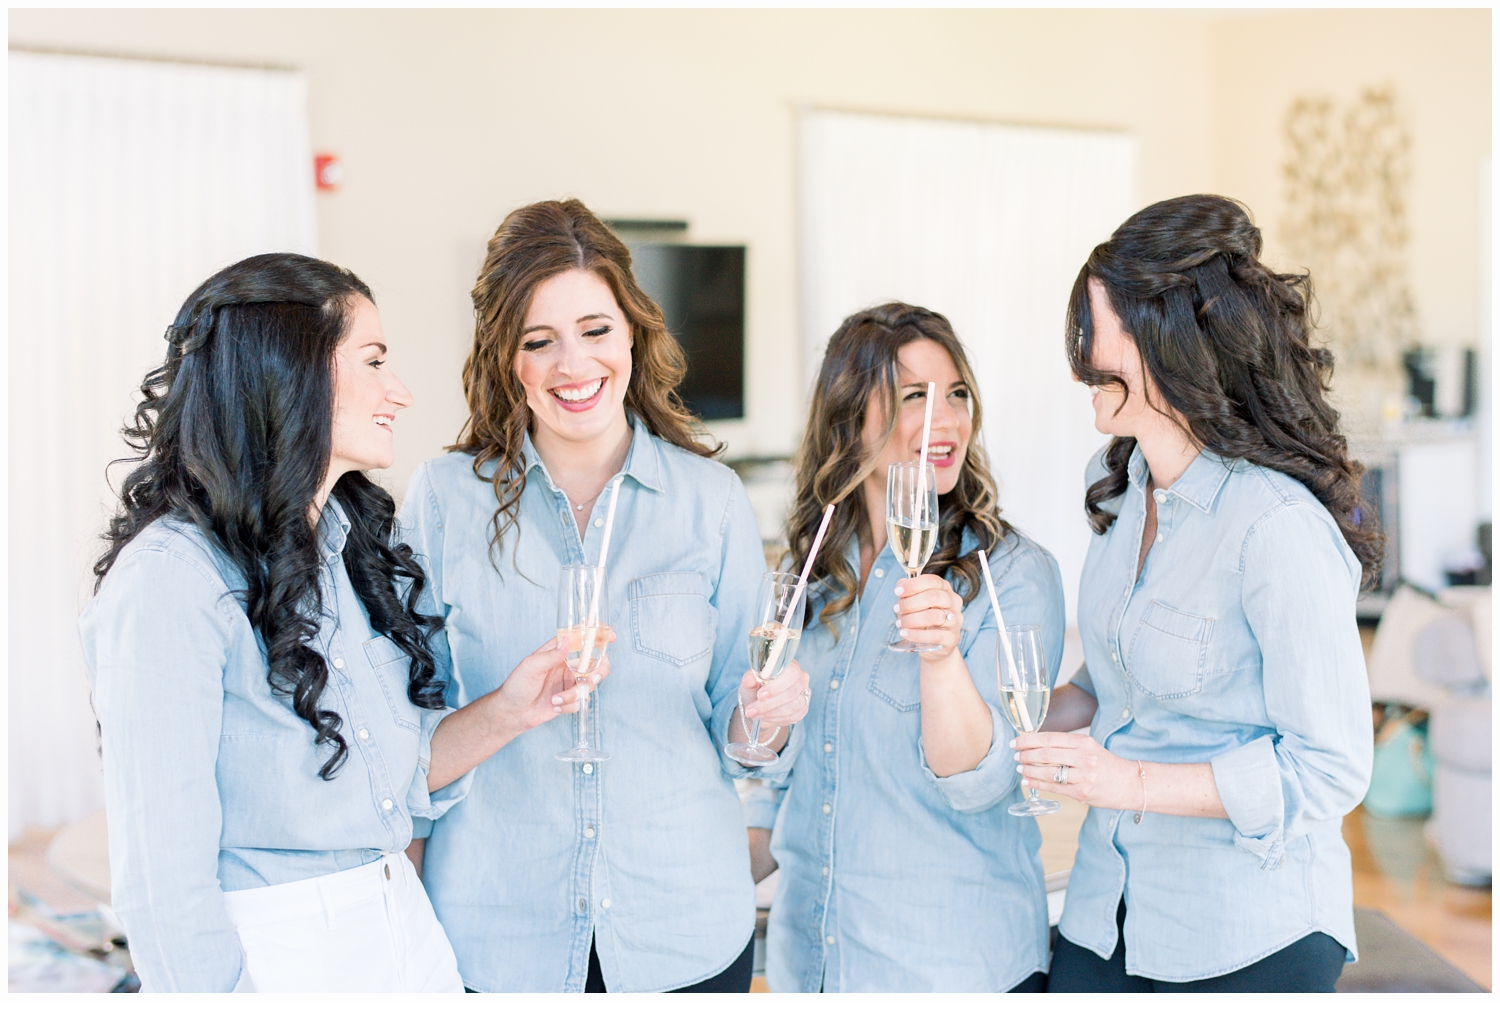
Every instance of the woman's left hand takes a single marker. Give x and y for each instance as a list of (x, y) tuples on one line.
[(1093, 775), (929, 612), (778, 702)]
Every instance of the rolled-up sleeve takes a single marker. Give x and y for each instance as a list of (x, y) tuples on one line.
[(421, 528), (157, 641), (1029, 587), (1313, 763), (761, 801), (743, 561)]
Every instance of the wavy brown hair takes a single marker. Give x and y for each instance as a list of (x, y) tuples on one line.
[(535, 243), (1227, 343), (832, 462)]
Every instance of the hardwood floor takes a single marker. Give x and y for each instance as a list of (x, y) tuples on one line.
[(1395, 871)]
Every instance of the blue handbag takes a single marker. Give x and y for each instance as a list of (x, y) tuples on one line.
[(1401, 778)]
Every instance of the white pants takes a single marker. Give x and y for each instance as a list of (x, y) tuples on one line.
[(370, 929)]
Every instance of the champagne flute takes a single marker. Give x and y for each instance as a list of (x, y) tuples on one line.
[(1024, 694), (583, 621), (911, 524), (773, 643)]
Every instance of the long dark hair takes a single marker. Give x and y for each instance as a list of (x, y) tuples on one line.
[(862, 357), (233, 434), (1227, 343), (535, 243)]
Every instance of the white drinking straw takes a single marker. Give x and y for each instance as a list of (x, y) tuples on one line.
[(915, 557), (779, 641), (989, 583), (609, 526)]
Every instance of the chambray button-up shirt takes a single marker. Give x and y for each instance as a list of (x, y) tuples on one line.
[(211, 780), (893, 879), (1237, 646), (644, 853)]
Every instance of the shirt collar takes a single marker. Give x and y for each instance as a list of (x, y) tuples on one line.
[(334, 525), (1199, 484), (643, 463)]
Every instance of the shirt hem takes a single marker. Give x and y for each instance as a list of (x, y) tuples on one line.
[(1282, 945)]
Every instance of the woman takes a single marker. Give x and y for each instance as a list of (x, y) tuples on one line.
[(630, 874), (268, 687), (1225, 686), (900, 868)]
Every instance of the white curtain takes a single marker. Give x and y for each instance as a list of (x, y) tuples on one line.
[(130, 183), (988, 225)]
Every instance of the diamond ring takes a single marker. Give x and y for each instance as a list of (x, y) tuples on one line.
[(1061, 775)]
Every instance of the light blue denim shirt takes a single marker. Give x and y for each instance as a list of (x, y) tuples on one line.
[(893, 879), (211, 780), (646, 851), (1237, 646)]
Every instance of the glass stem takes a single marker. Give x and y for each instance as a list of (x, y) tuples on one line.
[(583, 718)]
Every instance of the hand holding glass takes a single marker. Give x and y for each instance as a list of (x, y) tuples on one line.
[(583, 622), (911, 524), (773, 645), (1024, 695)]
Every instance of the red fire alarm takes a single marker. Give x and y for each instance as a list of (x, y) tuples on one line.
[(329, 171)]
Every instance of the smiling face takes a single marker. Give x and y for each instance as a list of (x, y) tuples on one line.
[(923, 361), (366, 396), (574, 361)]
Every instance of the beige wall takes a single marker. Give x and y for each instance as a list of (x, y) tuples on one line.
[(1438, 63), (445, 120)]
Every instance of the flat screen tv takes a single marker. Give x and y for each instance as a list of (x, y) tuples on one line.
[(701, 291)]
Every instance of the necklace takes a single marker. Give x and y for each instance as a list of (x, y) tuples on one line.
[(583, 504)]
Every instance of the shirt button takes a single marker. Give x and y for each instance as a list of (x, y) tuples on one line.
[(598, 522), (588, 832), (825, 873), (1115, 656), (828, 748), (364, 734), (828, 940), (338, 664), (604, 903), (588, 769), (1160, 496), (879, 573), (1125, 714), (386, 804), (1160, 537), (827, 808), (833, 685)]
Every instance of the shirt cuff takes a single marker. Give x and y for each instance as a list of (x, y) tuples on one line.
[(761, 803), (419, 802), (1249, 782), (986, 784)]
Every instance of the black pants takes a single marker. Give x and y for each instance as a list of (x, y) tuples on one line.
[(735, 978), (1312, 964)]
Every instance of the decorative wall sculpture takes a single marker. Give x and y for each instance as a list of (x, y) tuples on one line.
[(1346, 176)]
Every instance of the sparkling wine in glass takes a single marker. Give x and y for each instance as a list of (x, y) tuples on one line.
[(583, 622), (773, 645), (911, 524), (1024, 695)]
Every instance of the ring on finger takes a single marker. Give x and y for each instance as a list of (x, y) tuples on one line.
[(947, 616), (807, 692), (1061, 775)]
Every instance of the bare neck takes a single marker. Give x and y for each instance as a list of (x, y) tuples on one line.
[(1168, 450), (582, 469)]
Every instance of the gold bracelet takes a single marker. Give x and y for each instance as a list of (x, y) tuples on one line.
[(1142, 813)]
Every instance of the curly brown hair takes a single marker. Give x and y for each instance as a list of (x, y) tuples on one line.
[(1227, 343), (832, 463), (535, 243)]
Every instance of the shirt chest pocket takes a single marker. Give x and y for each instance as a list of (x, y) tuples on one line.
[(1169, 652), (671, 618), (393, 673)]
